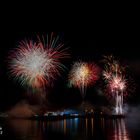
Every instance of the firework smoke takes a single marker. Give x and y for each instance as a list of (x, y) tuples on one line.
[(83, 75)]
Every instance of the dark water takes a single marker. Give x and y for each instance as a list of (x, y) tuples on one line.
[(68, 129)]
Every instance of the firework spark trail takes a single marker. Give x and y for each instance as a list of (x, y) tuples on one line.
[(37, 64), (116, 83), (83, 75)]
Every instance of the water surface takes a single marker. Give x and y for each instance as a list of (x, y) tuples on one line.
[(68, 129)]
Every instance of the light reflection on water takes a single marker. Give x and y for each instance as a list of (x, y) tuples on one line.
[(76, 128), (119, 131)]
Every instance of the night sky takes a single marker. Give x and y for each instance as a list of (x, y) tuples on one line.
[(88, 39)]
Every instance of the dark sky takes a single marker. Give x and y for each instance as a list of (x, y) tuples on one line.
[(87, 37)]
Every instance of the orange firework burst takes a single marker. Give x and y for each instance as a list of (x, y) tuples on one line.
[(83, 75)]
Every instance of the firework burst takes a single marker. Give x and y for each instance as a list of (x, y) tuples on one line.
[(36, 64), (115, 82), (118, 83), (83, 75)]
